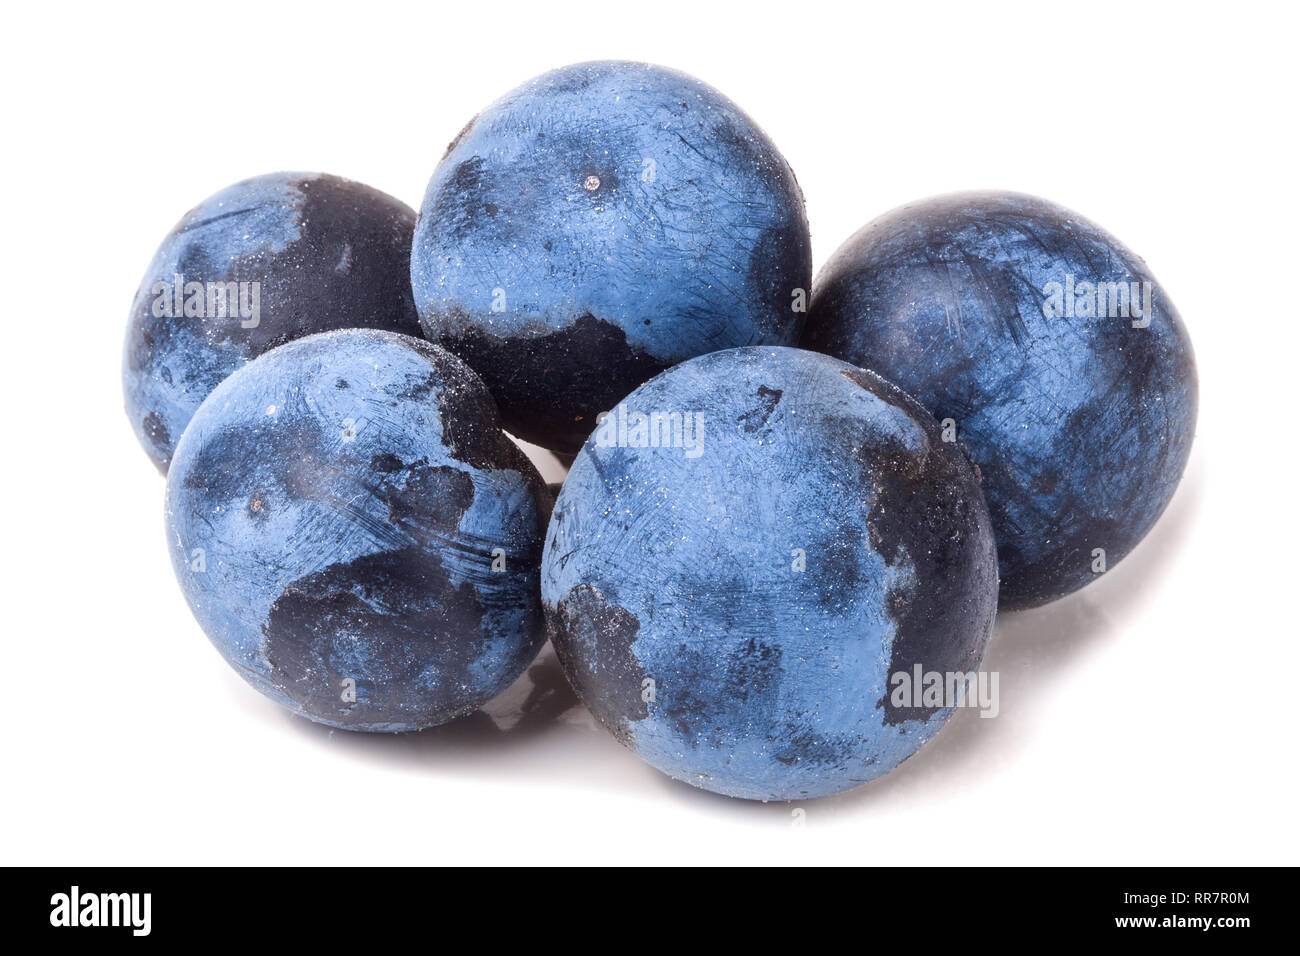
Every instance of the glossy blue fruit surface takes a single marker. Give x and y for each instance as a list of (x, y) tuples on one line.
[(356, 534), (1053, 355), (732, 590), (598, 224), (261, 263)]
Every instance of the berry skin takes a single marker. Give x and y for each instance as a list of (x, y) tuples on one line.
[(597, 225), (1047, 347), (734, 604), (355, 533), (261, 263)]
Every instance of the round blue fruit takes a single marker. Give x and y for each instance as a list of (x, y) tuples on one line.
[(356, 534), (261, 263), (1047, 347), (597, 225), (748, 553)]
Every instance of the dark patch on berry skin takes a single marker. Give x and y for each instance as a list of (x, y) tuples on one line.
[(556, 363), (156, 432), (393, 623), (471, 423), (934, 533), (779, 264), (593, 640), (301, 296), (289, 448), (754, 671), (459, 136), (348, 267), (877, 386), (421, 387), (574, 79), (427, 502), (387, 463), (459, 201), (756, 418)]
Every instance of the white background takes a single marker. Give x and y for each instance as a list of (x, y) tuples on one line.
[(1149, 719)]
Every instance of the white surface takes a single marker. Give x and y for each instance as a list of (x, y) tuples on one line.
[(1147, 719)]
